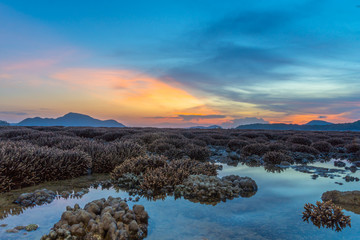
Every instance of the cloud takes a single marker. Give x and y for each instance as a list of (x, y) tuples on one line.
[(135, 95), (13, 113), (272, 62), (322, 117), (197, 117), (190, 117)]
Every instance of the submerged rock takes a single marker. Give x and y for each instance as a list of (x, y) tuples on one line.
[(12, 230), (211, 189), (20, 228), (31, 227), (38, 197), (349, 178), (101, 219)]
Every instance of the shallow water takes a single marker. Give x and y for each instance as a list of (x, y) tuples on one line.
[(274, 212)]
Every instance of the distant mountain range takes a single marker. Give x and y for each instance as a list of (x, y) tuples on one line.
[(318, 123), (3, 123), (208, 127), (315, 125), (70, 120)]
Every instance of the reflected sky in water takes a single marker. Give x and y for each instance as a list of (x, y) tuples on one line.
[(274, 212)]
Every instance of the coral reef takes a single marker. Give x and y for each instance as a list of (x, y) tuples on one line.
[(326, 214), (101, 219), (23, 164), (31, 155), (274, 157), (155, 173), (211, 189)]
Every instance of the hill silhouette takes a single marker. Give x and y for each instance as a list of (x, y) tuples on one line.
[(318, 123), (70, 120), (355, 126), (208, 127), (3, 123)]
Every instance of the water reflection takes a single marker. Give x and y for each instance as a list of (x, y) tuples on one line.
[(273, 213)]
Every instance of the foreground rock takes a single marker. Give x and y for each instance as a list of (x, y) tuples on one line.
[(211, 189), (101, 219)]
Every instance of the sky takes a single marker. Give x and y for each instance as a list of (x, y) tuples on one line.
[(181, 63)]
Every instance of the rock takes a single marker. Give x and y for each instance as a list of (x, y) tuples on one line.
[(38, 197), (339, 164), (351, 178), (31, 227), (346, 198), (3, 225), (20, 228), (101, 219), (133, 227), (12, 230), (65, 194)]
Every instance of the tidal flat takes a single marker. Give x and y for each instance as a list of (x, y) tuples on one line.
[(193, 184), (274, 212)]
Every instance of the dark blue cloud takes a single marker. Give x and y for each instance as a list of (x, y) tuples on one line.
[(13, 113)]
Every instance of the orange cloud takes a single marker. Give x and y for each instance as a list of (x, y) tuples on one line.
[(130, 94)]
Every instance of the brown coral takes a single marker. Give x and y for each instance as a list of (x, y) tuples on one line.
[(326, 214)]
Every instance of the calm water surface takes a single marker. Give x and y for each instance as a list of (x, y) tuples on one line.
[(274, 212)]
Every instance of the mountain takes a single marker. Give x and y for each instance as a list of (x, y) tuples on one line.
[(70, 120), (355, 126), (318, 123), (208, 127), (243, 121), (3, 123)]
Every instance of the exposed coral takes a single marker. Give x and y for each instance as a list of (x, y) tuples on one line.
[(326, 214), (274, 157), (300, 140), (30, 155), (212, 190), (343, 198), (322, 146), (255, 149), (138, 165), (23, 164), (101, 219)]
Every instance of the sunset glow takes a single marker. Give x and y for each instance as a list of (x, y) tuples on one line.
[(153, 75)]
